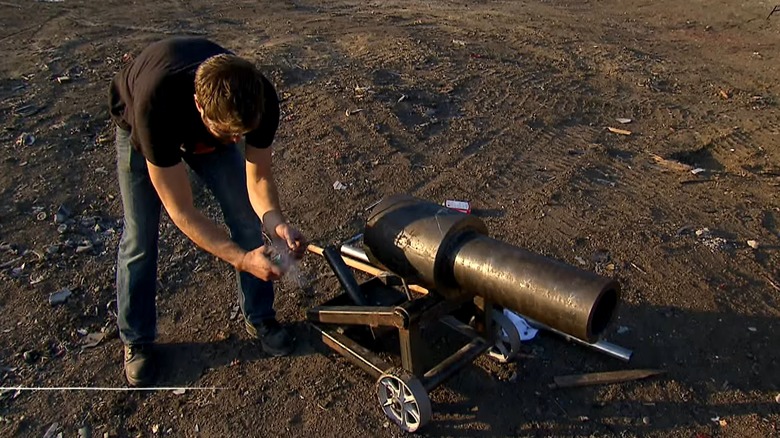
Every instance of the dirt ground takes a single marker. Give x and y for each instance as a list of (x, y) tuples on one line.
[(502, 103)]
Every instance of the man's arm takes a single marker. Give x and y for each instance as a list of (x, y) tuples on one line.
[(173, 187), (265, 198), (262, 188)]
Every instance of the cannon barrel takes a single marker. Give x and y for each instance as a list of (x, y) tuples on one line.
[(451, 253)]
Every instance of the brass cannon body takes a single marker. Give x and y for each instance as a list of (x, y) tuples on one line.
[(451, 253)]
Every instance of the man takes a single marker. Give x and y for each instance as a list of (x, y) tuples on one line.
[(188, 100)]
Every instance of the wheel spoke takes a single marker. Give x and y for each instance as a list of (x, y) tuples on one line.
[(411, 410), (396, 387)]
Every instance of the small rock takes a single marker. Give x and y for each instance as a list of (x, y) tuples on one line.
[(60, 296), (197, 428), (704, 232), (155, 428), (25, 139), (475, 409), (600, 256), (753, 244), (92, 340), (623, 329), (84, 248), (30, 356), (98, 228), (179, 391), (777, 398), (88, 222), (85, 432), (580, 260), (386, 424), (62, 215), (646, 420), (584, 418), (752, 329), (686, 229), (623, 121)]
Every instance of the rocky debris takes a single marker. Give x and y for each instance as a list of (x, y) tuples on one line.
[(31, 356), (60, 296), (712, 242), (25, 139), (92, 340), (84, 247), (61, 215), (85, 432), (753, 244), (600, 256)]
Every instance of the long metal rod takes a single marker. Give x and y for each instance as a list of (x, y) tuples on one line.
[(605, 347), (354, 352), (449, 366), (373, 316)]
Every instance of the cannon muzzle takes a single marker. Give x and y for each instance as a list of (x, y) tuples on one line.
[(450, 252)]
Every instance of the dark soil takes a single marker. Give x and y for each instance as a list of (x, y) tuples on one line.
[(505, 104)]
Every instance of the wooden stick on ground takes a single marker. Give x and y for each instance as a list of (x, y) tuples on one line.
[(618, 131), (603, 378)]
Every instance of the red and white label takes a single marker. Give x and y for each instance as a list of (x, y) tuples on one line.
[(461, 206)]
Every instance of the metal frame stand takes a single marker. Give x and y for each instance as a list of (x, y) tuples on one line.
[(402, 390)]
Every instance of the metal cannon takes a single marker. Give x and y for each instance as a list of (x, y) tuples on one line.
[(437, 265)]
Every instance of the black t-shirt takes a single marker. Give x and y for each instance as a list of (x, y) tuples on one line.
[(152, 97)]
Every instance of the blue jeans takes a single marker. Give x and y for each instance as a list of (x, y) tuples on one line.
[(224, 173)]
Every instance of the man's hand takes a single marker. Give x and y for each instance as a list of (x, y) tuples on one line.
[(258, 263), (293, 238)]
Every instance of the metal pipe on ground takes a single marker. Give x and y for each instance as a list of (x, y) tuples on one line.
[(450, 252)]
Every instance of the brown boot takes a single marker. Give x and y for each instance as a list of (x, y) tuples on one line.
[(140, 367)]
